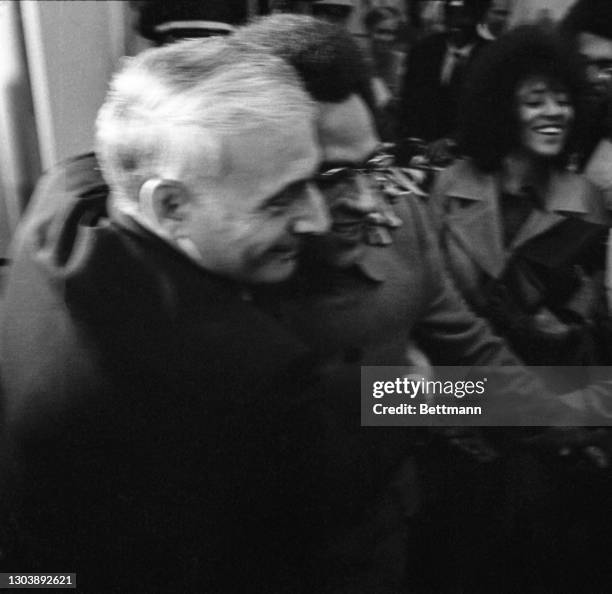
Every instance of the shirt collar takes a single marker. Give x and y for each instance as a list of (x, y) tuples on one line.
[(463, 51), (484, 32)]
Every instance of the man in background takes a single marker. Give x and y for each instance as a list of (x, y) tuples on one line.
[(355, 304), (588, 25), (435, 74), (495, 20)]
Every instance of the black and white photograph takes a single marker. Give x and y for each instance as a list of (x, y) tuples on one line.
[(306, 296)]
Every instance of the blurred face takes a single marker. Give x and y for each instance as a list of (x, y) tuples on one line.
[(545, 114), (384, 34), (431, 16), (460, 22), (596, 53), (348, 142), (497, 16), (250, 227)]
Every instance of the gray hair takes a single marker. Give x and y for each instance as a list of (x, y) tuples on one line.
[(169, 109)]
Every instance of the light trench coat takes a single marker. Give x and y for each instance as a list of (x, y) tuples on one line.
[(545, 290)]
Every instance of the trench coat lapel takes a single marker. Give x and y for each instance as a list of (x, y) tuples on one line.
[(538, 222), (564, 196), (474, 221)]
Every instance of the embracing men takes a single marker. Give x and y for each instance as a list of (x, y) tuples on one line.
[(175, 426)]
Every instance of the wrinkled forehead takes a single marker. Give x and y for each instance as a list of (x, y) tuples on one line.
[(595, 47), (346, 131)]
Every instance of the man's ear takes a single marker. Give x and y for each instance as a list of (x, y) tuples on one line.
[(165, 203)]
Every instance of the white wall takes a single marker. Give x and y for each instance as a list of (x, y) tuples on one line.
[(19, 157), (529, 10), (73, 47)]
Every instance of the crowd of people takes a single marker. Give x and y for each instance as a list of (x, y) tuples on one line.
[(268, 210)]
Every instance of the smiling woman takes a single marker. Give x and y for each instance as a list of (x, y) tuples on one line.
[(496, 93), (523, 237), (524, 240), (545, 113)]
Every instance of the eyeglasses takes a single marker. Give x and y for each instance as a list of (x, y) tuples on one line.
[(381, 171), (378, 164)]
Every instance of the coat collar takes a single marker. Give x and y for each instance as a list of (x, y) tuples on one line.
[(372, 264), (477, 226), (475, 222), (565, 192)]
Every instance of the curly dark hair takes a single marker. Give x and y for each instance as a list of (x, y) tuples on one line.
[(488, 124), (326, 57)]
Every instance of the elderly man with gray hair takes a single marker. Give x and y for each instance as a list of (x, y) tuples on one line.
[(142, 386)]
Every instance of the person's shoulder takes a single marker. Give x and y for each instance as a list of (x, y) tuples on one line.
[(416, 230), (66, 194), (586, 196), (598, 168), (74, 176), (463, 166), (63, 185), (452, 179)]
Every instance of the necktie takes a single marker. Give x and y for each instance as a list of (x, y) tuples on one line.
[(455, 82), (453, 62)]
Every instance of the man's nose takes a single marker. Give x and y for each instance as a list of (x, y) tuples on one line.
[(364, 199), (313, 215)]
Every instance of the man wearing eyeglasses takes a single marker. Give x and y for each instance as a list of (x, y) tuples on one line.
[(358, 298), (349, 178), (359, 304), (589, 26)]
